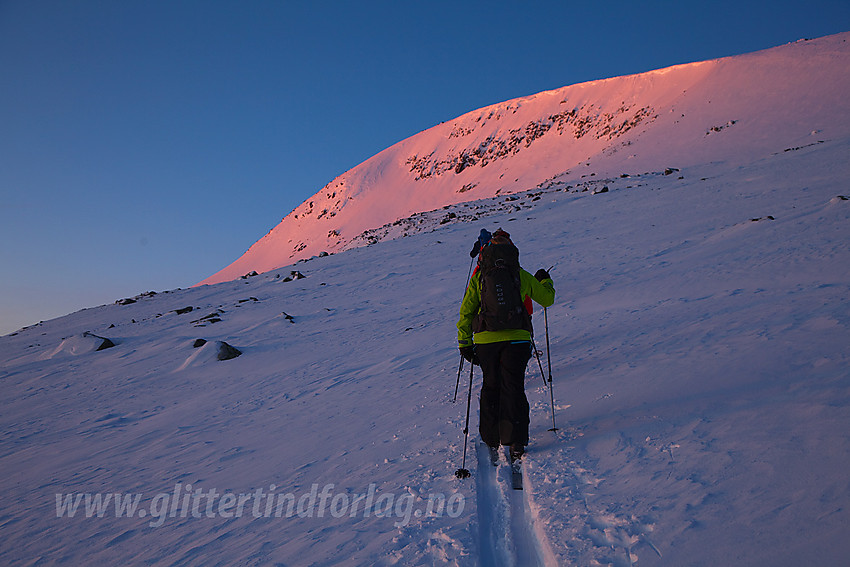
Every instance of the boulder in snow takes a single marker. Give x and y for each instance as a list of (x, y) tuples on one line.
[(226, 352)]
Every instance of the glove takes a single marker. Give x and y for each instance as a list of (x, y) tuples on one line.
[(468, 353), (483, 238), (541, 275)]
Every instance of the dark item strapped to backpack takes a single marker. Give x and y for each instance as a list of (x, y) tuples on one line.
[(502, 304)]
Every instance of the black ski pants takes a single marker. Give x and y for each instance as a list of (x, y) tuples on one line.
[(503, 406)]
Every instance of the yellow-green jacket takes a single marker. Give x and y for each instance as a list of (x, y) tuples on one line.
[(543, 292)]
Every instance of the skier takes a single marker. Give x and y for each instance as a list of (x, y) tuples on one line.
[(494, 332)]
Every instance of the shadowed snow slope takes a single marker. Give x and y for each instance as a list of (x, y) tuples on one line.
[(732, 110), (698, 345)]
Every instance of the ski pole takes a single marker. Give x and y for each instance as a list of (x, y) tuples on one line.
[(539, 364), (543, 376), (463, 472), (459, 369), (549, 363), (468, 275)]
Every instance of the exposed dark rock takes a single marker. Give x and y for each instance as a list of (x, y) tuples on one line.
[(199, 343), (294, 275), (129, 300), (225, 351), (104, 342), (184, 310), (211, 318), (448, 218)]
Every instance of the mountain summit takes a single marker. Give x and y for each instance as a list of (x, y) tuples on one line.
[(736, 110)]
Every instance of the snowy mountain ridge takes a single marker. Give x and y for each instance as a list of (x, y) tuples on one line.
[(733, 109)]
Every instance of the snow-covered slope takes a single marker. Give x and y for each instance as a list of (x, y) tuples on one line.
[(732, 110), (698, 346)]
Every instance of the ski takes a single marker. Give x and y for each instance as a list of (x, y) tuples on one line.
[(516, 470)]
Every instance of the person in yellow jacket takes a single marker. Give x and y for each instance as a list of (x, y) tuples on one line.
[(494, 331)]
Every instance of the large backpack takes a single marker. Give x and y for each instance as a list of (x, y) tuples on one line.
[(502, 305)]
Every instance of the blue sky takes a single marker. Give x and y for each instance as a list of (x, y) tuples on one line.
[(146, 145)]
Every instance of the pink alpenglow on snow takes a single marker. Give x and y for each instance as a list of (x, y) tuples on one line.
[(733, 110)]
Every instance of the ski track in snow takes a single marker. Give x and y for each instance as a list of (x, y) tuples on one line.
[(495, 545), (527, 547), (508, 527)]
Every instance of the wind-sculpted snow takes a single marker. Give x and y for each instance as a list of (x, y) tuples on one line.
[(700, 384)]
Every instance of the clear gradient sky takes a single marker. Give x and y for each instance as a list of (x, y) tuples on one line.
[(146, 145)]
